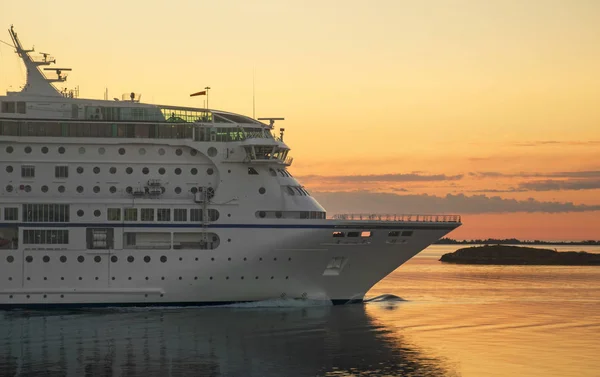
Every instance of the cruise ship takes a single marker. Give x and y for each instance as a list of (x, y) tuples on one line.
[(123, 203)]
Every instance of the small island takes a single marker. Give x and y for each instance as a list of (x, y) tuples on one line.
[(519, 255)]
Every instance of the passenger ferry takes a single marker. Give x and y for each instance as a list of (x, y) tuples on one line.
[(122, 203)]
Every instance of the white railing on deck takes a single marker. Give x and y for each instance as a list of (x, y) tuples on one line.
[(401, 218)]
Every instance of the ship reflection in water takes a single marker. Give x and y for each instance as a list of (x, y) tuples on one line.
[(301, 341)]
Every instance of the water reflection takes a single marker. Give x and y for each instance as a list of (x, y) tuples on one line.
[(310, 341)]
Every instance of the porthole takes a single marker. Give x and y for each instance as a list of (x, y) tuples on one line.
[(96, 189), (61, 150), (161, 152), (194, 190), (10, 259), (229, 240), (262, 214), (177, 190), (81, 150), (129, 170), (44, 150), (97, 213), (180, 278), (80, 212), (112, 170), (112, 189), (226, 277), (80, 259), (211, 278), (147, 259), (178, 151), (278, 214), (80, 189), (27, 149), (193, 152), (194, 171), (27, 188), (145, 170), (129, 190), (44, 188), (229, 171), (212, 151), (242, 278), (63, 259), (129, 278), (142, 151), (79, 170), (101, 150), (113, 278), (121, 151), (209, 171), (61, 188), (163, 259), (80, 278), (161, 171), (178, 171), (96, 170), (9, 149), (9, 188), (114, 259), (9, 169), (180, 259), (262, 190), (97, 259), (130, 259), (163, 190), (46, 259)]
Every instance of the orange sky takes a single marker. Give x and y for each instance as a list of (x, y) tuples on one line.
[(436, 97)]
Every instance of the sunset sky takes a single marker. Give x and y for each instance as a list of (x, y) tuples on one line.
[(488, 109)]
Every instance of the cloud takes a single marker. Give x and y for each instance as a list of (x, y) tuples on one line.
[(374, 202), (556, 185), (537, 143), (560, 174), (411, 177)]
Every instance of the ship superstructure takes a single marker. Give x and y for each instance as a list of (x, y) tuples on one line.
[(108, 203)]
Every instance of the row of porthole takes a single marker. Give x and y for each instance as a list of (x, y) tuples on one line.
[(113, 259), (129, 170), (112, 189), (62, 278), (101, 150)]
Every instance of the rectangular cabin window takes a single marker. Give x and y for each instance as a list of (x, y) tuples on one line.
[(353, 234), (27, 171), (45, 236), (46, 213), (338, 234), (407, 233), (366, 234), (147, 214), (61, 171), (163, 214), (252, 171), (394, 233), (11, 214), (180, 214), (130, 214), (8, 107), (113, 214), (195, 214), (21, 108)]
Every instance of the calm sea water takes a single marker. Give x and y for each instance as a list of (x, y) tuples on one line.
[(454, 320)]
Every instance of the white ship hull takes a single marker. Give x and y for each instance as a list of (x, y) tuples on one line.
[(264, 264)]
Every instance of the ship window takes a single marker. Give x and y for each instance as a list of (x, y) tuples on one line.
[(252, 171), (366, 234), (121, 151), (61, 188), (101, 150), (178, 151), (8, 107), (80, 189), (27, 171), (353, 234), (96, 189), (163, 214), (113, 214), (112, 170), (11, 214), (213, 215), (290, 190), (61, 150), (99, 238), (97, 213), (194, 171), (80, 170), (272, 172), (44, 188), (161, 171), (112, 189), (96, 170), (130, 214), (262, 190), (195, 214), (142, 151), (21, 108), (180, 214), (147, 214), (338, 234), (80, 213), (28, 149), (9, 188), (61, 171), (177, 190), (145, 170), (407, 233), (394, 233), (45, 236), (129, 170), (210, 171), (177, 171), (9, 149), (46, 213), (44, 150), (9, 169)]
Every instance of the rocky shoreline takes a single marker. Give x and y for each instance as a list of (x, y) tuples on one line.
[(519, 255)]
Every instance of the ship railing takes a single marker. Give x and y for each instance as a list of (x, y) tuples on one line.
[(399, 218)]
